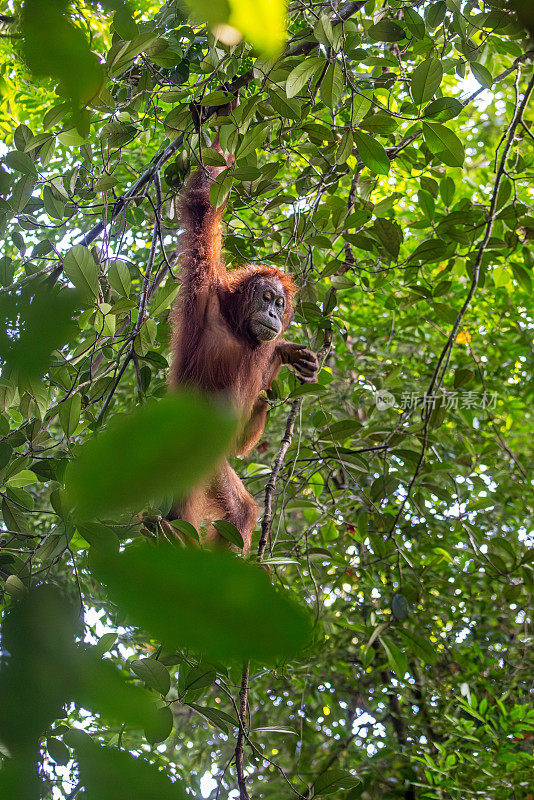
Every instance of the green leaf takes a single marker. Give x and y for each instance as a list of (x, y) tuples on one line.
[(332, 780), (161, 448), (23, 478), (20, 162), (444, 144), (272, 729), (22, 192), (105, 183), (7, 271), (482, 74), (426, 80), (381, 122), (211, 590), (429, 250), (386, 31), (119, 277), (306, 389), (163, 299), (218, 718), (217, 98), (14, 519), (160, 728), (43, 322), (55, 114), (397, 659), (301, 74), (389, 235), (80, 268), (462, 376), (332, 85), (104, 769), (323, 31), (443, 108), (419, 646), (99, 685), (69, 413), (435, 13), (372, 153), (261, 22), (399, 607), (500, 275), (63, 54), (98, 535), (212, 158), (105, 643), (118, 59), (191, 679), (58, 751), (447, 189), (426, 201), (522, 277), (153, 673), (253, 139), (361, 104), (289, 109), (414, 22), (186, 528), (345, 147), (229, 532), (13, 586), (54, 207), (444, 554), (40, 629), (6, 450), (219, 191)]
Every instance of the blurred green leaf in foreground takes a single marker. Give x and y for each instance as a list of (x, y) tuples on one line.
[(262, 22), (53, 47), (33, 325), (162, 448), (41, 670), (221, 606)]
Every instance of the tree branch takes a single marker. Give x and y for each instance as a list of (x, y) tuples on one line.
[(443, 360), (240, 744), (143, 300)]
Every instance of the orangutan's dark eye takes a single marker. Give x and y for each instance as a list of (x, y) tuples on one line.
[(268, 296)]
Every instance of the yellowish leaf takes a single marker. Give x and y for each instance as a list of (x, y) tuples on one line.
[(262, 22), (464, 337)]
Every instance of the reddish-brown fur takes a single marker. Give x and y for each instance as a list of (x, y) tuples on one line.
[(214, 351)]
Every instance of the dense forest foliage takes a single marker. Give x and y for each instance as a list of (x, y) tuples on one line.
[(375, 642)]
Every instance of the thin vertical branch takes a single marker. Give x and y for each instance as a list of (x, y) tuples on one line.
[(444, 357), (266, 524), (243, 723), (141, 306), (267, 519), (445, 354)]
